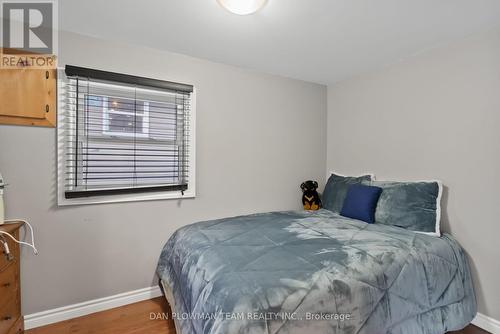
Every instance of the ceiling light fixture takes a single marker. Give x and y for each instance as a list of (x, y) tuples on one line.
[(242, 7)]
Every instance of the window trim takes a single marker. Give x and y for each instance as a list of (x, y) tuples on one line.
[(132, 197)]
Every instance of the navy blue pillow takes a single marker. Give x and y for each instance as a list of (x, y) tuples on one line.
[(361, 202), (336, 189)]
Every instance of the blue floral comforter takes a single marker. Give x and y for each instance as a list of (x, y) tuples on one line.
[(314, 272)]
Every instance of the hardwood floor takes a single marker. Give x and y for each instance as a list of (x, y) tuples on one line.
[(471, 330), (135, 319)]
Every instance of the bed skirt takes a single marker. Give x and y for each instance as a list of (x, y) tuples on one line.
[(169, 296)]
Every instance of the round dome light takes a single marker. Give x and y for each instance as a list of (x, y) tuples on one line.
[(242, 7)]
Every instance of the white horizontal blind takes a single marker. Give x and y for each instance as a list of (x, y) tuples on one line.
[(124, 138)]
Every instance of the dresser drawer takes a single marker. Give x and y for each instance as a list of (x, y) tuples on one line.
[(14, 251), (9, 285), (9, 314)]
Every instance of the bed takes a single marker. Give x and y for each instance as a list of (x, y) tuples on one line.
[(314, 272)]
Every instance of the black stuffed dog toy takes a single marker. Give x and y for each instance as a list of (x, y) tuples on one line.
[(310, 197)]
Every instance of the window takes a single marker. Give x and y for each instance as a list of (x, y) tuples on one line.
[(124, 135)]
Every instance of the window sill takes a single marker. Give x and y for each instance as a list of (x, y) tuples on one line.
[(189, 194)]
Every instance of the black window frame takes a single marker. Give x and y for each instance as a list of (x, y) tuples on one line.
[(81, 72)]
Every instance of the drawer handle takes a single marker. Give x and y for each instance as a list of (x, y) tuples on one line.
[(8, 256), (6, 285), (7, 318)]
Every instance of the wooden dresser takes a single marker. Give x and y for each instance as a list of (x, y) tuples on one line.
[(11, 320)]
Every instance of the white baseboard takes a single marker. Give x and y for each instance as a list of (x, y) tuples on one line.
[(77, 310), (488, 324)]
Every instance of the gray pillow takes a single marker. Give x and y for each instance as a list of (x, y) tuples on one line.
[(414, 206), (336, 190)]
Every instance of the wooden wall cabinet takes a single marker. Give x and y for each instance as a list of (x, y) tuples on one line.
[(28, 96)]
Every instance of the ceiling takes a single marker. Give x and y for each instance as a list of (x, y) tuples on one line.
[(321, 41)]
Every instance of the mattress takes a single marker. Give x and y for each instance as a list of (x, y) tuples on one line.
[(318, 272)]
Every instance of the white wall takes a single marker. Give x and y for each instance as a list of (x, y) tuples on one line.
[(436, 115), (258, 137)]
